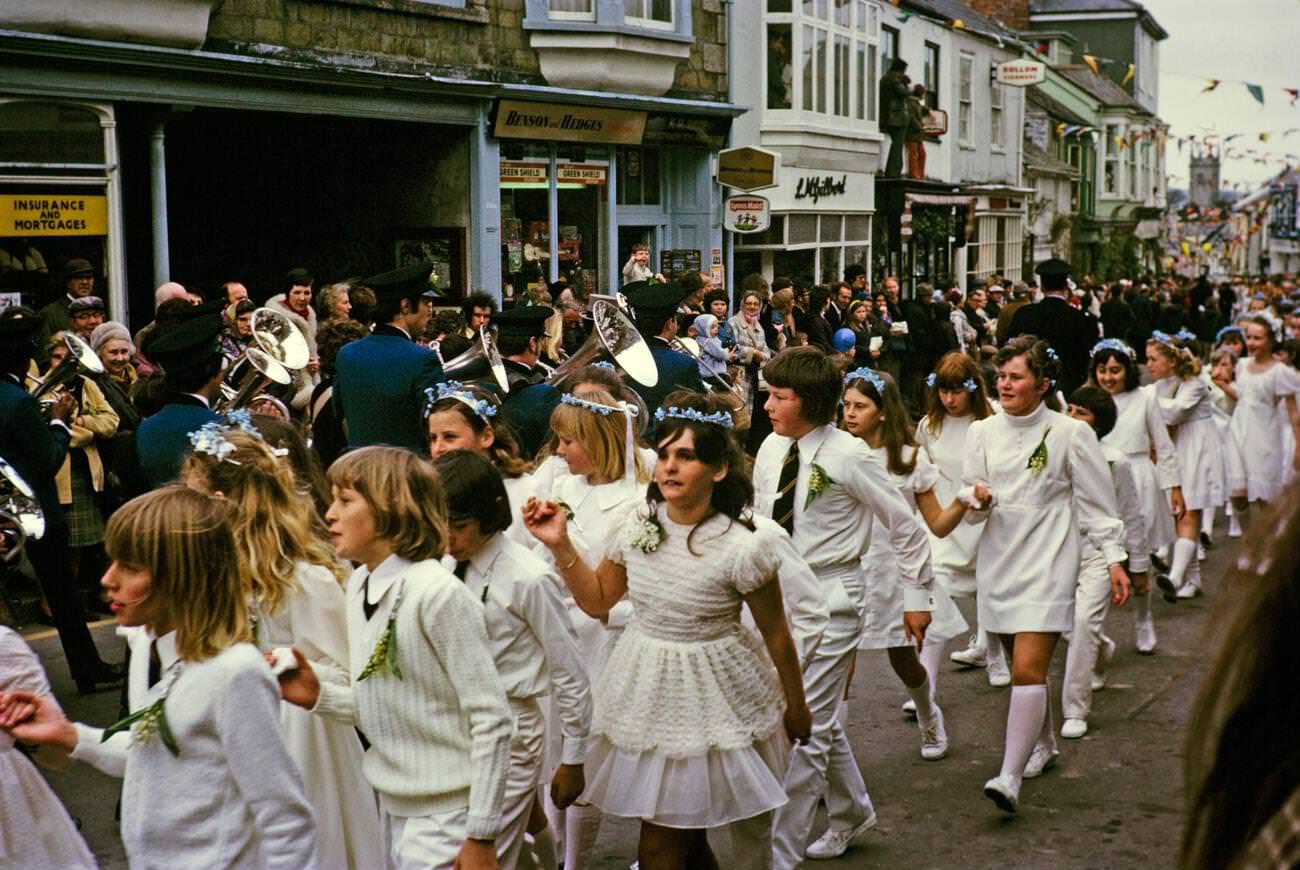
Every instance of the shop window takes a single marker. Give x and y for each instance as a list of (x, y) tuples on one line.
[(965, 97), (830, 265), (49, 133), (857, 228), (821, 57), (800, 266), (842, 76), (803, 229), (831, 228), (931, 75), (638, 176), (888, 45), (779, 6), (780, 72), (995, 115)]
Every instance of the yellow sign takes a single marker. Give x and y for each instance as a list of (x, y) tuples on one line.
[(522, 174), (46, 214), (561, 122), (747, 168)]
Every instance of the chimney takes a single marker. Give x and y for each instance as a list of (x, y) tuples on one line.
[(1012, 13)]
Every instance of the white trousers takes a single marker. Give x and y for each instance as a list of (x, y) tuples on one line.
[(527, 749), (1091, 603), (425, 842), (825, 677)]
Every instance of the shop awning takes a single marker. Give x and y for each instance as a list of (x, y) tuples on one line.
[(910, 199)]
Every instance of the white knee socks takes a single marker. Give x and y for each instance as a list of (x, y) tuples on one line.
[(1025, 719), (582, 827), (1142, 601), (1194, 573), (931, 657), (1207, 519), (1184, 555), (923, 697)]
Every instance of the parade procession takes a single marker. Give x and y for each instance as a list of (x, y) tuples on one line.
[(660, 434)]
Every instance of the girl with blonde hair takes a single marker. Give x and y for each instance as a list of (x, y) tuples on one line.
[(956, 398), (208, 781), (291, 582), (1188, 411)]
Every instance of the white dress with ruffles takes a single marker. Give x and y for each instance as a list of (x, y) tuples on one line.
[(1258, 424), (688, 726), (1140, 429), (884, 598), (1189, 411)]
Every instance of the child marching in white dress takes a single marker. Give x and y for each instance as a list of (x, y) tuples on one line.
[(1266, 405), (956, 400), (292, 583), (692, 713), (1048, 480)]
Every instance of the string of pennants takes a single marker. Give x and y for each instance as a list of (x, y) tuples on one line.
[(1256, 91), (1227, 151), (1134, 137)]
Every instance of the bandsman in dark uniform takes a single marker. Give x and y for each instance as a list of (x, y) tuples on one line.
[(193, 366), (655, 306), (379, 381), (527, 408), (1069, 331)]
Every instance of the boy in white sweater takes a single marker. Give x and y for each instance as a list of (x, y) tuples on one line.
[(425, 690)]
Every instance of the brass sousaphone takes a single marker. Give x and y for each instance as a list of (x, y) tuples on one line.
[(281, 350), (613, 332), (21, 517)]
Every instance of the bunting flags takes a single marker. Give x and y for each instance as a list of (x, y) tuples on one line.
[(1060, 130), (1256, 91), (1230, 138), (1263, 135), (1128, 76), (958, 24), (1092, 64), (1210, 85)]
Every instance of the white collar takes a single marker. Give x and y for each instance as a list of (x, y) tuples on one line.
[(166, 647), (384, 576), (811, 441), (201, 398)]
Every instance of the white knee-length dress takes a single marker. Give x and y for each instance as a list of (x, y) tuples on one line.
[(688, 725), (1029, 554), (1139, 429), (1258, 424), (884, 588), (1189, 411), (952, 558)]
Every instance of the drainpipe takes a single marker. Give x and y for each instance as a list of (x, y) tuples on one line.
[(158, 201), (728, 239)]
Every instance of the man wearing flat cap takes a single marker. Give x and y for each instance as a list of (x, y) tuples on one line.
[(36, 448), (189, 353), (527, 408), (86, 313), (78, 277), (1069, 331), (655, 305), (379, 381)]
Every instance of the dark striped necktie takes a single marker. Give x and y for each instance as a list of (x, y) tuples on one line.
[(783, 510)]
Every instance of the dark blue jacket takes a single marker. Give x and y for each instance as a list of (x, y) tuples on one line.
[(163, 439), (33, 447), (527, 411), (379, 385), (677, 371)]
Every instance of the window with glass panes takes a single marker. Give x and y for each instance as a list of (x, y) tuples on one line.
[(965, 97), (1111, 171), (1131, 147), (822, 57), (817, 246), (581, 10), (649, 13), (931, 75), (995, 115)]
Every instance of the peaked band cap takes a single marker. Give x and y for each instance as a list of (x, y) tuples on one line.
[(402, 283), (523, 321)]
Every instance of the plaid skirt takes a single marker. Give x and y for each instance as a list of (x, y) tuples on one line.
[(85, 521)]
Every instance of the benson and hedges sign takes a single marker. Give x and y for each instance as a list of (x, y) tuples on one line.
[(561, 122)]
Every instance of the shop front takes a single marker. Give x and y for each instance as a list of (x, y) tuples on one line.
[(821, 225)]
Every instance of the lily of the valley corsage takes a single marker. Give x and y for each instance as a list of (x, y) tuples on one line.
[(818, 482), (150, 723), (646, 535), (384, 655), (1038, 459)]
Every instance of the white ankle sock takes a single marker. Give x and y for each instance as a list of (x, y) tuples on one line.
[(923, 697), (1025, 718), (1207, 519), (1184, 555), (583, 825)]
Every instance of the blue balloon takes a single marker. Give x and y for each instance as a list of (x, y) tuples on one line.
[(844, 340)]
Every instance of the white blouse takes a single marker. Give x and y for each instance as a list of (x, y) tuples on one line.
[(1139, 426)]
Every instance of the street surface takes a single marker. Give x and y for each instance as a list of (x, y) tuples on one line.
[(1114, 800)]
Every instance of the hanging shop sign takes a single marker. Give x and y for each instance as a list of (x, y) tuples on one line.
[(748, 168), (746, 214), (45, 214), (562, 122), (1020, 73)]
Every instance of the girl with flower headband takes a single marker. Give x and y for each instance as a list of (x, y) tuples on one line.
[(424, 688), (690, 700), (207, 779), (292, 585), (1138, 433), (1266, 408), (466, 417), (1188, 411), (1049, 484), (605, 480), (956, 399), (874, 412), (1222, 376)]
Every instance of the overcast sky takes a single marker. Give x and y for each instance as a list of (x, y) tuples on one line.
[(1236, 41)]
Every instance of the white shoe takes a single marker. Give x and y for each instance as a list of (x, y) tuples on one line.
[(1200, 553), (1188, 590), (909, 708), (1234, 527), (1144, 635), (1003, 791), (998, 673), (934, 737), (1105, 653), (1073, 729), (1043, 757), (973, 656), (833, 844)]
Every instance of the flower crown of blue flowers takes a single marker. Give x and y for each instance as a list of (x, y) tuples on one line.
[(933, 380), (456, 390), (211, 440), (595, 407), (1053, 355), (1185, 334), (1113, 344), (1164, 338), (1230, 329), (604, 364), (717, 418), (871, 376)]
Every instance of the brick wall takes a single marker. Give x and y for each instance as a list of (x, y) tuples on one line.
[(485, 41), (1012, 13)]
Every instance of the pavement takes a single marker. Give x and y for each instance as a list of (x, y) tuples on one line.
[(1114, 799)]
